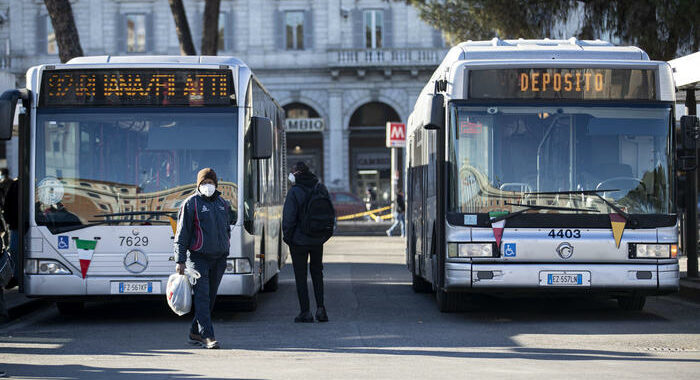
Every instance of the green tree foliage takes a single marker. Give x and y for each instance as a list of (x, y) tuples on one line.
[(665, 29), (463, 20)]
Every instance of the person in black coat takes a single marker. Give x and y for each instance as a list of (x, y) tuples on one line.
[(303, 246)]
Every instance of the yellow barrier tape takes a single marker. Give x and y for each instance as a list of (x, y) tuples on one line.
[(370, 213)]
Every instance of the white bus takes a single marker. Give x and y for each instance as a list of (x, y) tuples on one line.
[(111, 146), (543, 166)]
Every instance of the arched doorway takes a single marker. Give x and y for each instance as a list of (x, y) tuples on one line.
[(304, 128), (370, 160)]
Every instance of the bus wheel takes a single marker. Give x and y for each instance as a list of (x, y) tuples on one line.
[(632, 303), (419, 285), (447, 302), (273, 284), (70, 307)]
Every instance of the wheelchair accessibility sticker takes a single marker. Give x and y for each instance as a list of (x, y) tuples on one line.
[(509, 250), (63, 242)]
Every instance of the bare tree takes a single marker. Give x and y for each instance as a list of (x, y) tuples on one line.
[(63, 23), (210, 35), (182, 28)]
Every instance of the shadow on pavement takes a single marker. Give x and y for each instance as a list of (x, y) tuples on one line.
[(373, 311), (67, 372)]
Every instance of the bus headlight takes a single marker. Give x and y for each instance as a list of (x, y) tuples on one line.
[(653, 251), (455, 250), (238, 266), (32, 266)]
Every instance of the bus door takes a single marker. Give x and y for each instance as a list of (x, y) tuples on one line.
[(430, 205), (416, 222)]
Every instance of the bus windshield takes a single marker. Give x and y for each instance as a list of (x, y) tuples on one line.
[(502, 156), (129, 165)]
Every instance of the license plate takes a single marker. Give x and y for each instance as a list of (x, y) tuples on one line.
[(565, 279), (135, 287)]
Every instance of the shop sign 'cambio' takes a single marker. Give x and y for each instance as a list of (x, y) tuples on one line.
[(304, 125)]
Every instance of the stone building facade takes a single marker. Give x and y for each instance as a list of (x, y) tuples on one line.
[(341, 68)]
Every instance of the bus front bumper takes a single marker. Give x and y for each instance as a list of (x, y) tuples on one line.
[(69, 286), (649, 278)]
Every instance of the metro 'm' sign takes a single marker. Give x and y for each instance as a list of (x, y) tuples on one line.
[(395, 135)]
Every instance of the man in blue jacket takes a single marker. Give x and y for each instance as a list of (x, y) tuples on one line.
[(203, 229), (301, 245)]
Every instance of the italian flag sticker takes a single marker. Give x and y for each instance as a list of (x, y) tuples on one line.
[(85, 250)]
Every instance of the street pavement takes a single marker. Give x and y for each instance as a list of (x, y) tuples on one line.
[(379, 329)]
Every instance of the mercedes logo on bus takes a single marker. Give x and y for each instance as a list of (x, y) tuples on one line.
[(136, 261), (565, 250)]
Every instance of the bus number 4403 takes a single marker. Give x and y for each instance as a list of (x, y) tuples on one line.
[(561, 234)]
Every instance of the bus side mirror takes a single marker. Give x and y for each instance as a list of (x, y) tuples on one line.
[(690, 132), (262, 137), (8, 104), (436, 118)]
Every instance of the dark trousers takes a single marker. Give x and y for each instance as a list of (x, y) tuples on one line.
[(212, 270), (300, 256)]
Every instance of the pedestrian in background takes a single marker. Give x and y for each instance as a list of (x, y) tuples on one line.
[(203, 229), (10, 214), (399, 215), (307, 222), (5, 182)]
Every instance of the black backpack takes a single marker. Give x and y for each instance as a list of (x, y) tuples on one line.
[(318, 219)]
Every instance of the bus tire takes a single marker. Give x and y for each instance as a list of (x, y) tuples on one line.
[(70, 307), (633, 302), (447, 302), (419, 285), (272, 285)]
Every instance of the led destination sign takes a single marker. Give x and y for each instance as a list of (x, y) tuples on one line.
[(563, 83), (159, 87)]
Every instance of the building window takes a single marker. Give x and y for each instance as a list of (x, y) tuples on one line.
[(135, 33), (299, 111), (374, 29), (221, 43), (294, 30), (51, 46)]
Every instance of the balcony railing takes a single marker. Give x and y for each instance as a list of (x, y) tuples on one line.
[(385, 57)]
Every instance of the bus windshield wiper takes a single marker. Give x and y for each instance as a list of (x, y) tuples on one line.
[(617, 209), (536, 207), (127, 220), (135, 213), (91, 223)]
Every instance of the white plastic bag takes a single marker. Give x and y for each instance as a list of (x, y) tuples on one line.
[(179, 294), (179, 290)]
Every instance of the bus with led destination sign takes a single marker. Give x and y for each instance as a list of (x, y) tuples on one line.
[(563, 83), (137, 87), (111, 150), (543, 166)]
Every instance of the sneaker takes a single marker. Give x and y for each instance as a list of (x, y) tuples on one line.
[(321, 314), (388, 233), (210, 343), (304, 317), (195, 339)]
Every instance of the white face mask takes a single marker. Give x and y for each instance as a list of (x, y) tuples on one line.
[(292, 178), (207, 189)]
